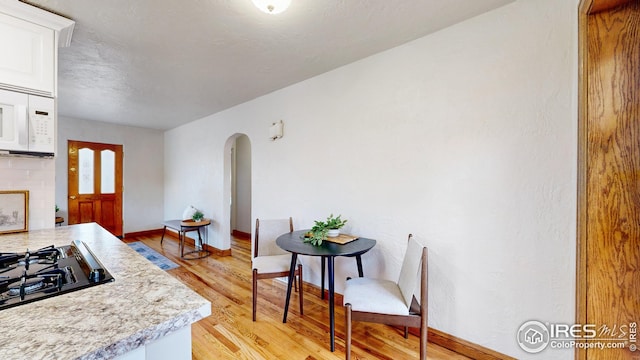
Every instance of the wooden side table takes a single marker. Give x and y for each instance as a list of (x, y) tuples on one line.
[(59, 220), (183, 227)]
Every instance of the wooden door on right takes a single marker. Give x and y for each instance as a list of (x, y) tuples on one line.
[(608, 283)]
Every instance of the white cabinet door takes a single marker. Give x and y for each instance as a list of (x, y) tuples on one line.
[(27, 54)]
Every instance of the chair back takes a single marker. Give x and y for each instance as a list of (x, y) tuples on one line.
[(266, 233), (410, 272)]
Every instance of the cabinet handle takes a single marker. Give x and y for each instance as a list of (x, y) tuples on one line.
[(72, 197)]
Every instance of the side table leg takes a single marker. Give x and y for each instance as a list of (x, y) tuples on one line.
[(292, 274), (181, 235), (163, 231)]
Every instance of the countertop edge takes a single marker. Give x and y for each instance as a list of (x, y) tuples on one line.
[(149, 334)]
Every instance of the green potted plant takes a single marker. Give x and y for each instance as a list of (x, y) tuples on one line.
[(323, 229), (334, 224), (197, 216), (317, 234)]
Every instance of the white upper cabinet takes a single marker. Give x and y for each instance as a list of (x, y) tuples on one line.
[(27, 60), (29, 41)]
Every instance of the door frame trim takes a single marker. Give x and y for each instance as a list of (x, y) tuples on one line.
[(584, 9)]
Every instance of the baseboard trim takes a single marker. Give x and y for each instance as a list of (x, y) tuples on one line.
[(215, 250), (447, 341), (464, 347), (153, 232), (241, 234), (189, 241)]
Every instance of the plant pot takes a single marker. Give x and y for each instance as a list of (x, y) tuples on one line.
[(333, 232)]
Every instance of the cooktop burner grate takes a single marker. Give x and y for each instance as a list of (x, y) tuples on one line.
[(50, 271)]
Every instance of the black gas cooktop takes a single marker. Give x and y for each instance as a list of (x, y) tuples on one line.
[(50, 271)]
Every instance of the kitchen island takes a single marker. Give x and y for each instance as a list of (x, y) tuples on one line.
[(144, 314)]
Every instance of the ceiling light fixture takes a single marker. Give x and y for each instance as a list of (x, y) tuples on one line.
[(272, 6)]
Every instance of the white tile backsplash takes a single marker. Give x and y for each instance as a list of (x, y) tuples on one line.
[(38, 176)]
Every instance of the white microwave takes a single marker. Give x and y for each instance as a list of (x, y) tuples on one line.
[(27, 124)]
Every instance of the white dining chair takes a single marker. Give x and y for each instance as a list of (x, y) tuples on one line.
[(269, 261), (391, 302)]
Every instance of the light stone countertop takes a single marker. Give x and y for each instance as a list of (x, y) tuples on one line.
[(143, 304)]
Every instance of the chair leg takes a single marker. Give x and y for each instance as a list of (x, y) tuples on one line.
[(300, 285), (255, 292), (424, 331), (347, 332), (423, 342)]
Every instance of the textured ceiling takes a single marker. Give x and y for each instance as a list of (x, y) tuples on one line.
[(163, 63)]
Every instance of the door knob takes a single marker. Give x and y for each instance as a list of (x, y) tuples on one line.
[(72, 169), (72, 197)]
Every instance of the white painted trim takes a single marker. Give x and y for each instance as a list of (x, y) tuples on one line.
[(63, 26)]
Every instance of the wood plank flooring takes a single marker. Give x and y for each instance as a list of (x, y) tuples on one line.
[(229, 333)]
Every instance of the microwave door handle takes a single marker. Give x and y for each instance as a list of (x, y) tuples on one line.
[(23, 125)]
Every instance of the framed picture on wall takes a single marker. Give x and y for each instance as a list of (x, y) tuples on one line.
[(14, 211)]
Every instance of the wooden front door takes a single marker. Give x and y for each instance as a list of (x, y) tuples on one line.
[(95, 184)]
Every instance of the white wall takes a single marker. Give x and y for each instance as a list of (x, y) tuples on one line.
[(143, 168), (466, 137)]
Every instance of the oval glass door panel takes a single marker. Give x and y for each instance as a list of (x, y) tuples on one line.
[(85, 171), (108, 168)]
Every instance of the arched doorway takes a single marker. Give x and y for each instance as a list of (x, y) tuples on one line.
[(237, 186), (240, 212)]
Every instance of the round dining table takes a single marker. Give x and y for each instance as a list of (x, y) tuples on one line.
[(293, 242)]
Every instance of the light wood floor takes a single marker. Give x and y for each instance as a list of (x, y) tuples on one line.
[(229, 333)]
